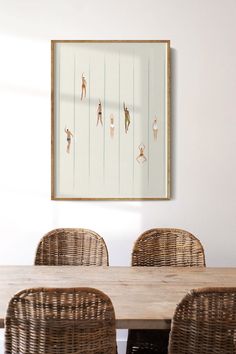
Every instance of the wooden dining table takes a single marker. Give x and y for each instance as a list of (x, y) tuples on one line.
[(143, 297)]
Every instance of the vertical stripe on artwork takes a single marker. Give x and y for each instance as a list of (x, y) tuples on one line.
[(89, 128), (148, 118), (133, 122), (103, 117), (119, 130), (164, 107), (57, 118), (74, 124)]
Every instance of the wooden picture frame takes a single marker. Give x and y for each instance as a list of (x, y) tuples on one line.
[(110, 120)]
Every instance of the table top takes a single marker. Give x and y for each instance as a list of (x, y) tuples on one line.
[(143, 297)]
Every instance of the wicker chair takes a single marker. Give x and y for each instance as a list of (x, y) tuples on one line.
[(161, 248), (72, 247), (205, 323), (60, 321)]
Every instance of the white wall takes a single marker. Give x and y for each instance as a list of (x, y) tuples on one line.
[(202, 35)]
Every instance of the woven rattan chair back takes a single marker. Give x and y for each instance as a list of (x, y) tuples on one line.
[(72, 247), (168, 247), (161, 248), (205, 323), (60, 321)]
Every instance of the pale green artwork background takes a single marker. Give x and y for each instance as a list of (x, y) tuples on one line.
[(99, 166)]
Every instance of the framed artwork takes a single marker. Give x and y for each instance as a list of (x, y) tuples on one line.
[(110, 120)]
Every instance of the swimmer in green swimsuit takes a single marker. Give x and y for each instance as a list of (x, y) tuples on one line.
[(127, 118)]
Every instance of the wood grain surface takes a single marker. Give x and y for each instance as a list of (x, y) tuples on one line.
[(143, 297)]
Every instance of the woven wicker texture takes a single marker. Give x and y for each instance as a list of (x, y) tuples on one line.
[(72, 247), (205, 323), (168, 247), (60, 321), (161, 248)]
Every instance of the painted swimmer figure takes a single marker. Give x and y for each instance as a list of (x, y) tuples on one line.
[(83, 87), (68, 139), (127, 117), (155, 128), (112, 126), (141, 158), (99, 113)]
